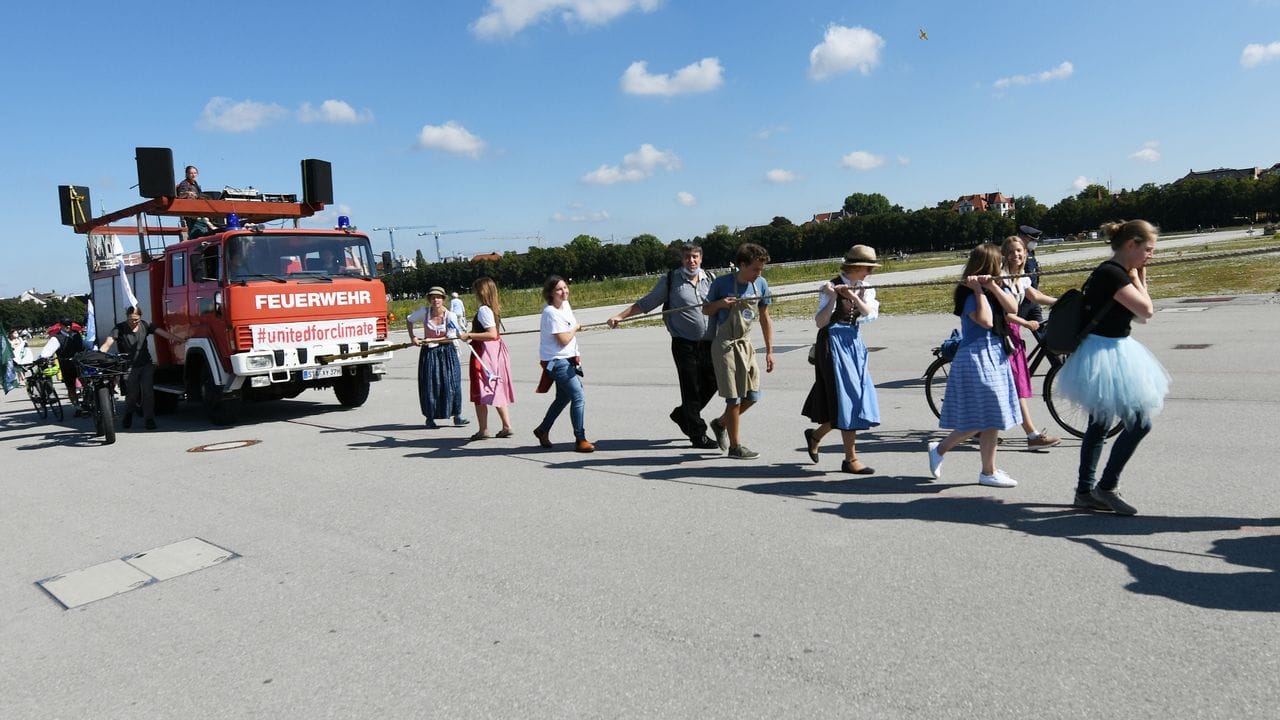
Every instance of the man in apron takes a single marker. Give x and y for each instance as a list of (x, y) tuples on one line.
[(736, 301)]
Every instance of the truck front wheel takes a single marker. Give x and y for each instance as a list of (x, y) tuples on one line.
[(352, 390), (217, 407)]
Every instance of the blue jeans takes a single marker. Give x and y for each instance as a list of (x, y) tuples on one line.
[(1091, 451), (568, 390)]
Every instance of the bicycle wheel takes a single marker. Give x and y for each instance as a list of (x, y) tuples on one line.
[(37, 399), (1072, 418), (55, 402), (935, 384), (104, 414)]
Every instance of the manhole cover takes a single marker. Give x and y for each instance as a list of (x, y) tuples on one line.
[(1191, 346), (228, 445)]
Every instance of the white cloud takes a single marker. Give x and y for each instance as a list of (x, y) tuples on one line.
[(635, 166), (702, 76), (904, 160), (1081, 183), (451, 138), (843, 49), (1061, 72), (505, 18), (333, 111), (1148, 153), (766, 133), (778, 176), (861, 160), (226, 115), (686, 199), (1255, 54), (598, 216)]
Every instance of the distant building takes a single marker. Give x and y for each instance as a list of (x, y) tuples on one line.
[(1252, 173), (831, 216), (984, 202), (492, 257), (40, 298)]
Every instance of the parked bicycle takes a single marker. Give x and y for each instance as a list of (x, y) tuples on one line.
[(41, 388), (99, 373), (1071, 418)]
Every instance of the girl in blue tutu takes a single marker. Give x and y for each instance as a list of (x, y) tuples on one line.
[(981, 398), (1110, 374)]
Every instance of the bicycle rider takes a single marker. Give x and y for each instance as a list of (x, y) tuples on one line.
[(131, 335), (65, 340)]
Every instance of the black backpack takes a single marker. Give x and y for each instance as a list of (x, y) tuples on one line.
[(1069, 322)]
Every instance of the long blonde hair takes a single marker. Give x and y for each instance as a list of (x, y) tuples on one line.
[(1006, 247), (486, 291)]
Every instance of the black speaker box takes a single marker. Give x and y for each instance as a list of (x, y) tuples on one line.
[(317, 182), (155, 172), (73, 201)]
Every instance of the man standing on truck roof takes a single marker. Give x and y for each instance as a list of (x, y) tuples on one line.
[(132, 338)]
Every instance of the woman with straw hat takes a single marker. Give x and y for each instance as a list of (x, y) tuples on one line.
[(843, 395)]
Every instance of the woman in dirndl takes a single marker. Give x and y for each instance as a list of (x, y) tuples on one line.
[(980, 398), (490, 366), (1111, 375), (439, 374), (1018, 283), (843, 395)]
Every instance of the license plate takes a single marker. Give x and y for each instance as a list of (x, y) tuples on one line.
[(328, 371)]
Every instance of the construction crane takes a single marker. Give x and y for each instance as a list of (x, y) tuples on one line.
[(537, 237), (391, 234), (438, 233)]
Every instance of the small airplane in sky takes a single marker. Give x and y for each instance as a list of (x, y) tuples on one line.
[(923, 35)]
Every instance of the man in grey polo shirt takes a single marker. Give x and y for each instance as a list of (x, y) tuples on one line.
[(691, 334)]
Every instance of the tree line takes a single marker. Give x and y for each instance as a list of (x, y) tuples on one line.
[(870, 219), (23, 315)]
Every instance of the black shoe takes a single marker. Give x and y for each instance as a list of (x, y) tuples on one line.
[(846, 466), (460, 421), (151, 424), (704, 443), (127, 421), (675, 418), (810, 445)]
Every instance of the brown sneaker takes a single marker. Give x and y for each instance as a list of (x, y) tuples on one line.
[(584, 446), (1043, 440)]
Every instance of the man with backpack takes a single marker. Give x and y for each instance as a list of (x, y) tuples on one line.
[(65, 340), (683, 290)]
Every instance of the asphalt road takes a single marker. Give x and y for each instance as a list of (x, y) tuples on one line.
[(386, 570)]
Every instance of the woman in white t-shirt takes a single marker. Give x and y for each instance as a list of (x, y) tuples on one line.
[(1014, 252), (558, 353), (439, 374)]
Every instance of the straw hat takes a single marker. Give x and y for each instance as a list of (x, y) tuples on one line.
[(860, 255), (437, 290)]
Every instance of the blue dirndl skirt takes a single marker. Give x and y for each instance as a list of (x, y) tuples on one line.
[(980, 391), (439, 382), (1114, 378)]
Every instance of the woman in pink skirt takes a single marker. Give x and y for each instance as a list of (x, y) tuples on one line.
[(490, 365), (1014, 252)]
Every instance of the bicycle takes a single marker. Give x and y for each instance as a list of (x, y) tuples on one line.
[(98, 374), (1070, 417), (41, 390)]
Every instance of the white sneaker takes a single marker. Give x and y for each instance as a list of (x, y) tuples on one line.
[(935, 460), (997, 479)]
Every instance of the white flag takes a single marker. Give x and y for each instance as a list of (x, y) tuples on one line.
[(126, 292)]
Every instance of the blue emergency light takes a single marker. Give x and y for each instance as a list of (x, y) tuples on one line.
[(233, 221)]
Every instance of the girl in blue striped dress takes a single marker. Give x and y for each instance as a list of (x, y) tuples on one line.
[(981, 398)]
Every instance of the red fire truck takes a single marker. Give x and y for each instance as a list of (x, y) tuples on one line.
[(256, 304)]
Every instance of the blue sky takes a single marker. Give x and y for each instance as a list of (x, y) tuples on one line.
[(551, 118)]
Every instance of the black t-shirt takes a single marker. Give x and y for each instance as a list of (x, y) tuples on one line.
[(133, 344), (1102, 286)]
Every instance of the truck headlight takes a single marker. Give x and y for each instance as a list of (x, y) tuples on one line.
[(258, 362)]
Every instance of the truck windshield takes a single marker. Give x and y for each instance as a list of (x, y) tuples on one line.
[(281, 256)]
